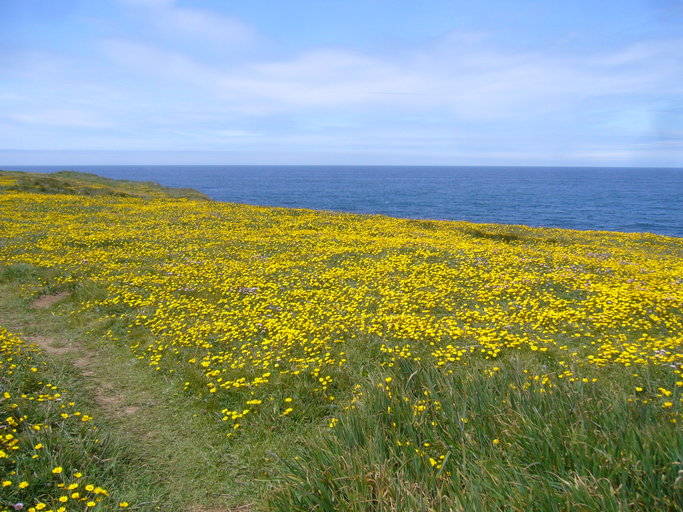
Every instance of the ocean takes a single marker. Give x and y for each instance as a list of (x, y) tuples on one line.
[(611, 199)]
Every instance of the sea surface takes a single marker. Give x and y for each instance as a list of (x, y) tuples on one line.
[(612, 199)]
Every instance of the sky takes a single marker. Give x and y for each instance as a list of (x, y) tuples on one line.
[(347, 82)]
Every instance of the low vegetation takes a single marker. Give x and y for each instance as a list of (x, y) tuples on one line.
[(70, 182), (364, 363), (50, 449)]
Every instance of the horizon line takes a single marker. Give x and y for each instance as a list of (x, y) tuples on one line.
[(498, 166)]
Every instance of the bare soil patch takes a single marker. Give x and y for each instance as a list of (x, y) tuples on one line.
[(45, 301), (112, 402), (84, 363), (49, 346)]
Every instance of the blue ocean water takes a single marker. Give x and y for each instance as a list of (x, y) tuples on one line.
[(612, 199)]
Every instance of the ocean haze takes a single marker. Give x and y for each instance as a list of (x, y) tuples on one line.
[(611, 199)]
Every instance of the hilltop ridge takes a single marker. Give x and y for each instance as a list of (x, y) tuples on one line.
[(87, 184)]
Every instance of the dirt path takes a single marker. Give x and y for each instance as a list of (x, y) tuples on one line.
[(45, 301), (180, 444), (107, 397)]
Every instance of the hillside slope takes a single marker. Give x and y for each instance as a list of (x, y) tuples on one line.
[(86, 184), (295, 360)]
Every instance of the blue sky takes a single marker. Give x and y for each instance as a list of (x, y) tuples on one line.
[(574, 82)]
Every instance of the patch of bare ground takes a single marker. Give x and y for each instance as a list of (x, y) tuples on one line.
[(49, 346), (112, 402), (84, 363), (45, 301)]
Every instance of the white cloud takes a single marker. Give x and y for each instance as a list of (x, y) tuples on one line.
[(203, 24), (460, 93), (56, 117), (157, 63), (199, 24), (466, 75)]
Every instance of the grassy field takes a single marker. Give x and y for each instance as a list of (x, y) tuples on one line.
[(79, 183), (233, 357)]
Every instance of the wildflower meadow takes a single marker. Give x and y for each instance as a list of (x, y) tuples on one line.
[(432, 365)]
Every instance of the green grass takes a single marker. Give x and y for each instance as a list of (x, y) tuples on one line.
[(78, 183), (50, 451), (482, 434), (488, 444), (163, 456)]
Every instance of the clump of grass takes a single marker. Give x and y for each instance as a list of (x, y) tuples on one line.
[(17, 273), (423, 440)]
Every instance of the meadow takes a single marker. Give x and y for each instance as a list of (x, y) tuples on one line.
[(345, 362)]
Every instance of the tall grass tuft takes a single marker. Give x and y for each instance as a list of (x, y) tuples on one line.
[(422, 440)]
